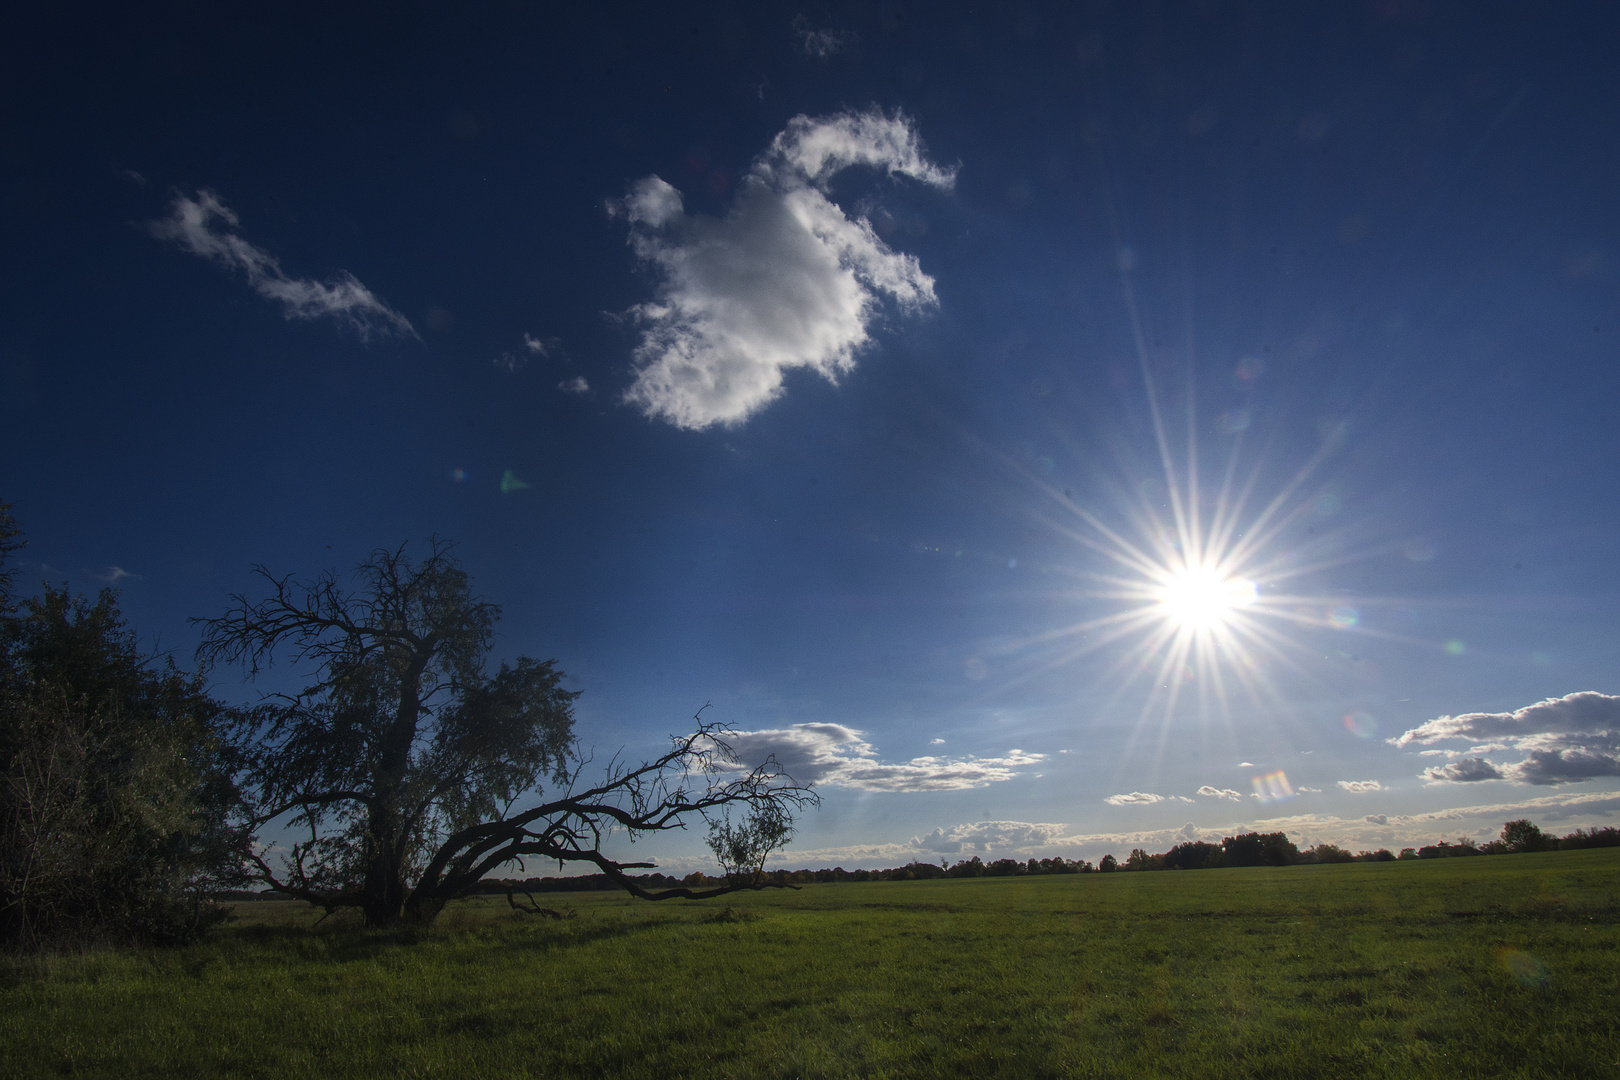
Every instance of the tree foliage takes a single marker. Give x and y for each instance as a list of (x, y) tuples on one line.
[(1259, 849), (1525, 835), (111, 799), (410, 770)]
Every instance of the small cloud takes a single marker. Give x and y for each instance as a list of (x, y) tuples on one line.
[(1245, 764), (510, 483), (941, 742), (115, 574), (1359, 787), (1135, 798), (542, 346), (577, 386), (1308, 790), (206, 227), (1466, 771), (508, 362), (1376, 819), (820, 44), (1209, 792)]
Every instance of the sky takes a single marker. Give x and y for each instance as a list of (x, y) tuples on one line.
[(1048, 429)]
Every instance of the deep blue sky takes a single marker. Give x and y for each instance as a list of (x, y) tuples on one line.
[(1371, 247)]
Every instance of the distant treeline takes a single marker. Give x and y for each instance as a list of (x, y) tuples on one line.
[(1245, 849)]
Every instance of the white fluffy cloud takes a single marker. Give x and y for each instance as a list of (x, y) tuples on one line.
[(785, 280), (840, 756), (1567, 739), (1220, 793), (206, 227), (1361, 787)]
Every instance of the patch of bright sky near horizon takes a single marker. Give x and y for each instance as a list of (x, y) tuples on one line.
[(1052, 431)]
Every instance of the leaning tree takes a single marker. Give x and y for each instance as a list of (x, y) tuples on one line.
[(408, 770)]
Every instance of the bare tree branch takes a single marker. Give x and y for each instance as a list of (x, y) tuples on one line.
[(410, 763)]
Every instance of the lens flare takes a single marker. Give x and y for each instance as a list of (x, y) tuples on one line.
[(1361, 725), (1524, 967), (1273, 787)]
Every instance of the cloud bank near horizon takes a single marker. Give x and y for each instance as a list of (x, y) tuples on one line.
[(785, 280), (1567, 740), (207, 228)]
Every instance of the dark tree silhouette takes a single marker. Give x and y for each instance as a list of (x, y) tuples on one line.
[(1194, 855), (412, 771), (1259, 849), (1524, 835), (109, 802)]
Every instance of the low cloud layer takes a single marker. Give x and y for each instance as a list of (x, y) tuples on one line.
[(785, 280), (839, 756), (206, 227), (988, 837), (1566, 740)]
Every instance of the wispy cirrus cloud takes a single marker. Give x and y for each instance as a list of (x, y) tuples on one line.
[(820, 44), (204, 226), (840, 756), (785, 280), (1566, 740)]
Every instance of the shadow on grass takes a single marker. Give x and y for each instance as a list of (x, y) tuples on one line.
[(353, 943)]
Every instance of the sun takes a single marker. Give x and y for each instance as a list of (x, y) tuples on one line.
[(1200, 598)]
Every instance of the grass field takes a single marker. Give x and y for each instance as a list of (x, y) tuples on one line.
[(1502, 966)]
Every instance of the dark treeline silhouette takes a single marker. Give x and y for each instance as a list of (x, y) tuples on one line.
[(1275, 849), (1245, 849)]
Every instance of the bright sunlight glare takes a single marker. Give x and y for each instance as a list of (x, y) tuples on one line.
[(1202, 598)]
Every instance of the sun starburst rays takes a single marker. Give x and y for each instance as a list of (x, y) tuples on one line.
[(1194, 590)]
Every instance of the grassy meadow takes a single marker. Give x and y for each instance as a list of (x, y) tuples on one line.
[(1500, 966)]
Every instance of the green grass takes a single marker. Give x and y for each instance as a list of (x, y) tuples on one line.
[(1504, 966)]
